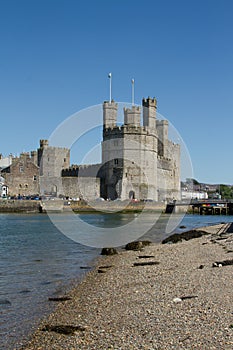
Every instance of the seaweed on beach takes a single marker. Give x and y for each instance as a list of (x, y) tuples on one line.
[(64, 298), (63, 329), (146, 263), (223, 263), (178, 237)]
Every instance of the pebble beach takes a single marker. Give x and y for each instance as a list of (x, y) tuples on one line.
[(163, 296)]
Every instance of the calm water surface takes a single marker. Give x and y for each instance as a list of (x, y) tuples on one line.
[(37, 262)]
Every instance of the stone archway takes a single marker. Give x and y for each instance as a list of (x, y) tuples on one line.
[(131, 195)]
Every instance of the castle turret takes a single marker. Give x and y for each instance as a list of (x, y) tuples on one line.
[(149, 112), (132, 116), (109, 114), (24, 155), (34, 157), (162, 132), (44, 143)]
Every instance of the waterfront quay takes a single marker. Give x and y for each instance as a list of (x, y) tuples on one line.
[(202, 207), (212, 207), (60, 205)]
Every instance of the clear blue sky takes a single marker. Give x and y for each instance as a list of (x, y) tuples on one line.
[(55, 56)]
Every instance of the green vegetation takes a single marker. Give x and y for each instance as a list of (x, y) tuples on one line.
[(226, 191)]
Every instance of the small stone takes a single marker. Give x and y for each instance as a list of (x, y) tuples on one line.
[(177, 300)]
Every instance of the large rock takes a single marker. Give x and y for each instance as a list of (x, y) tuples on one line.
[(137, 245), (109, 251)]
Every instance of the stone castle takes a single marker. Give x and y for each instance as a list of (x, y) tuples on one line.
[(138, 162)]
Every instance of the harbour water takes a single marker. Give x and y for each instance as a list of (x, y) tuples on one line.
[(37, 262)]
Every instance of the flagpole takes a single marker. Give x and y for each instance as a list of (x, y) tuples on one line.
[(132, 81), (110, 87)]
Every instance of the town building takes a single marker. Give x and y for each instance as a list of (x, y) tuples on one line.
[(22, 176)]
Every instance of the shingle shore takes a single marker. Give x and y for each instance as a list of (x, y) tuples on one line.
[(181, 303)]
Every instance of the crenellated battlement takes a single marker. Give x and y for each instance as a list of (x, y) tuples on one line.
[(83, 170), (149, 102), (44, 143)]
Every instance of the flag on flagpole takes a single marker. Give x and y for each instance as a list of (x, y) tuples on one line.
[(132, 81)]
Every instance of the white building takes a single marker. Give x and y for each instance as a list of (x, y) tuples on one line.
[(3, 188), (5, 161), (188, 195)]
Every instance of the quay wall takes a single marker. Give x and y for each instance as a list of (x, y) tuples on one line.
[(30, 206), (19, 206)]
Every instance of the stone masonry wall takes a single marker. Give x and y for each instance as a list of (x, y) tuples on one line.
[(87, 188), (22, 177)]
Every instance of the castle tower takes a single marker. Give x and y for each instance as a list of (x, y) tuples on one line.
[(111, 151), (149, 112), (162, 132), (34, 157), (52, 160), (109, 114), (132, 116)]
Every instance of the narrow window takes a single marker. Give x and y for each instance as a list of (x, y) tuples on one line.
[(34, 178), (116, 161)]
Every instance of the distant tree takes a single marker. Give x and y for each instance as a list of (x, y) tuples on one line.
[(226, 191)]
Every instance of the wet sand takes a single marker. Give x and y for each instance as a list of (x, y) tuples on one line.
[(180, 301)]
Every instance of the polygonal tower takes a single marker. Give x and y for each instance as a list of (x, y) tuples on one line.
[(129, 153)]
